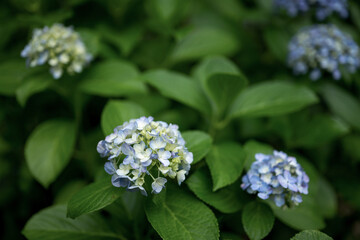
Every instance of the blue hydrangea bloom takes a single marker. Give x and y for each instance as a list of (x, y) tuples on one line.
[(323, 48), (277, 177), (60, 47), (323, 8), (144, 147)]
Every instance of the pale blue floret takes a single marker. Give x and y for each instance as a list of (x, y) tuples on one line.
[(277, 177), (158, 184), (142, 147), (321, 49), (323, 8)]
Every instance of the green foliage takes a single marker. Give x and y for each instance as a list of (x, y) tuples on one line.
[(117, 112), (181, 216), (258, 220), (13, 73), (113, 79), (197, 142), (93, 197), (49, 148), (272, 98), (226, 162), (311, 235), (192, 46), (218, 70), (342, 104), (226, 200), (51, 223), (32, 85), (178, 87)]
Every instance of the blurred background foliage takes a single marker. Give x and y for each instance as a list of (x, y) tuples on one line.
[(129, 40)]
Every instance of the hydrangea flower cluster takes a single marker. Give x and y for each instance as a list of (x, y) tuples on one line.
[(144, 147), (61, 47), (323, 8), (323, 48), (277, 177)]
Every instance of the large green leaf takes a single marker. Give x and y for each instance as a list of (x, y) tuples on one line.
[(117, 112), (225, 200), (223, 88), (226, 162), (311, 235), (202, 42), (182, 216), (31, 85), (316, 131), (12, 74), (301, 217), (113, 78), (253, 147), (178, 87), (93, 197), (270, 99), (197, 142), (342, 103), (52, 224), (326, 199), (221, 80), (49, 148), (214, 65), (258, 220)]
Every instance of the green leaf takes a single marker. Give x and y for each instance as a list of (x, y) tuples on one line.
[(194, 46), (182, 216), (342, 104), (270, 99), (301, 217), (226, 162), (91, 40), (277, 41), (350, 145), (258, 220), (68, 191), (223, 88), (124, 40), (225, 200), (326, 199), (12, 74), (52, 223), (32, 85), (214, 65), (197, 142), (251, 148), (311, 235), (113, 78), (117, 112), (316, 131), (93, 197), (178, 87), (49, 148)]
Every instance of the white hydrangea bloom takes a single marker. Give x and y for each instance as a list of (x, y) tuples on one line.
[(58, 46), (143, 147)]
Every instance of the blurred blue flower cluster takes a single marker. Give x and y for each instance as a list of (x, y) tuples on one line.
[(61, 47), (323, 8), (323, 48), (278, 177), (143, 147)]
